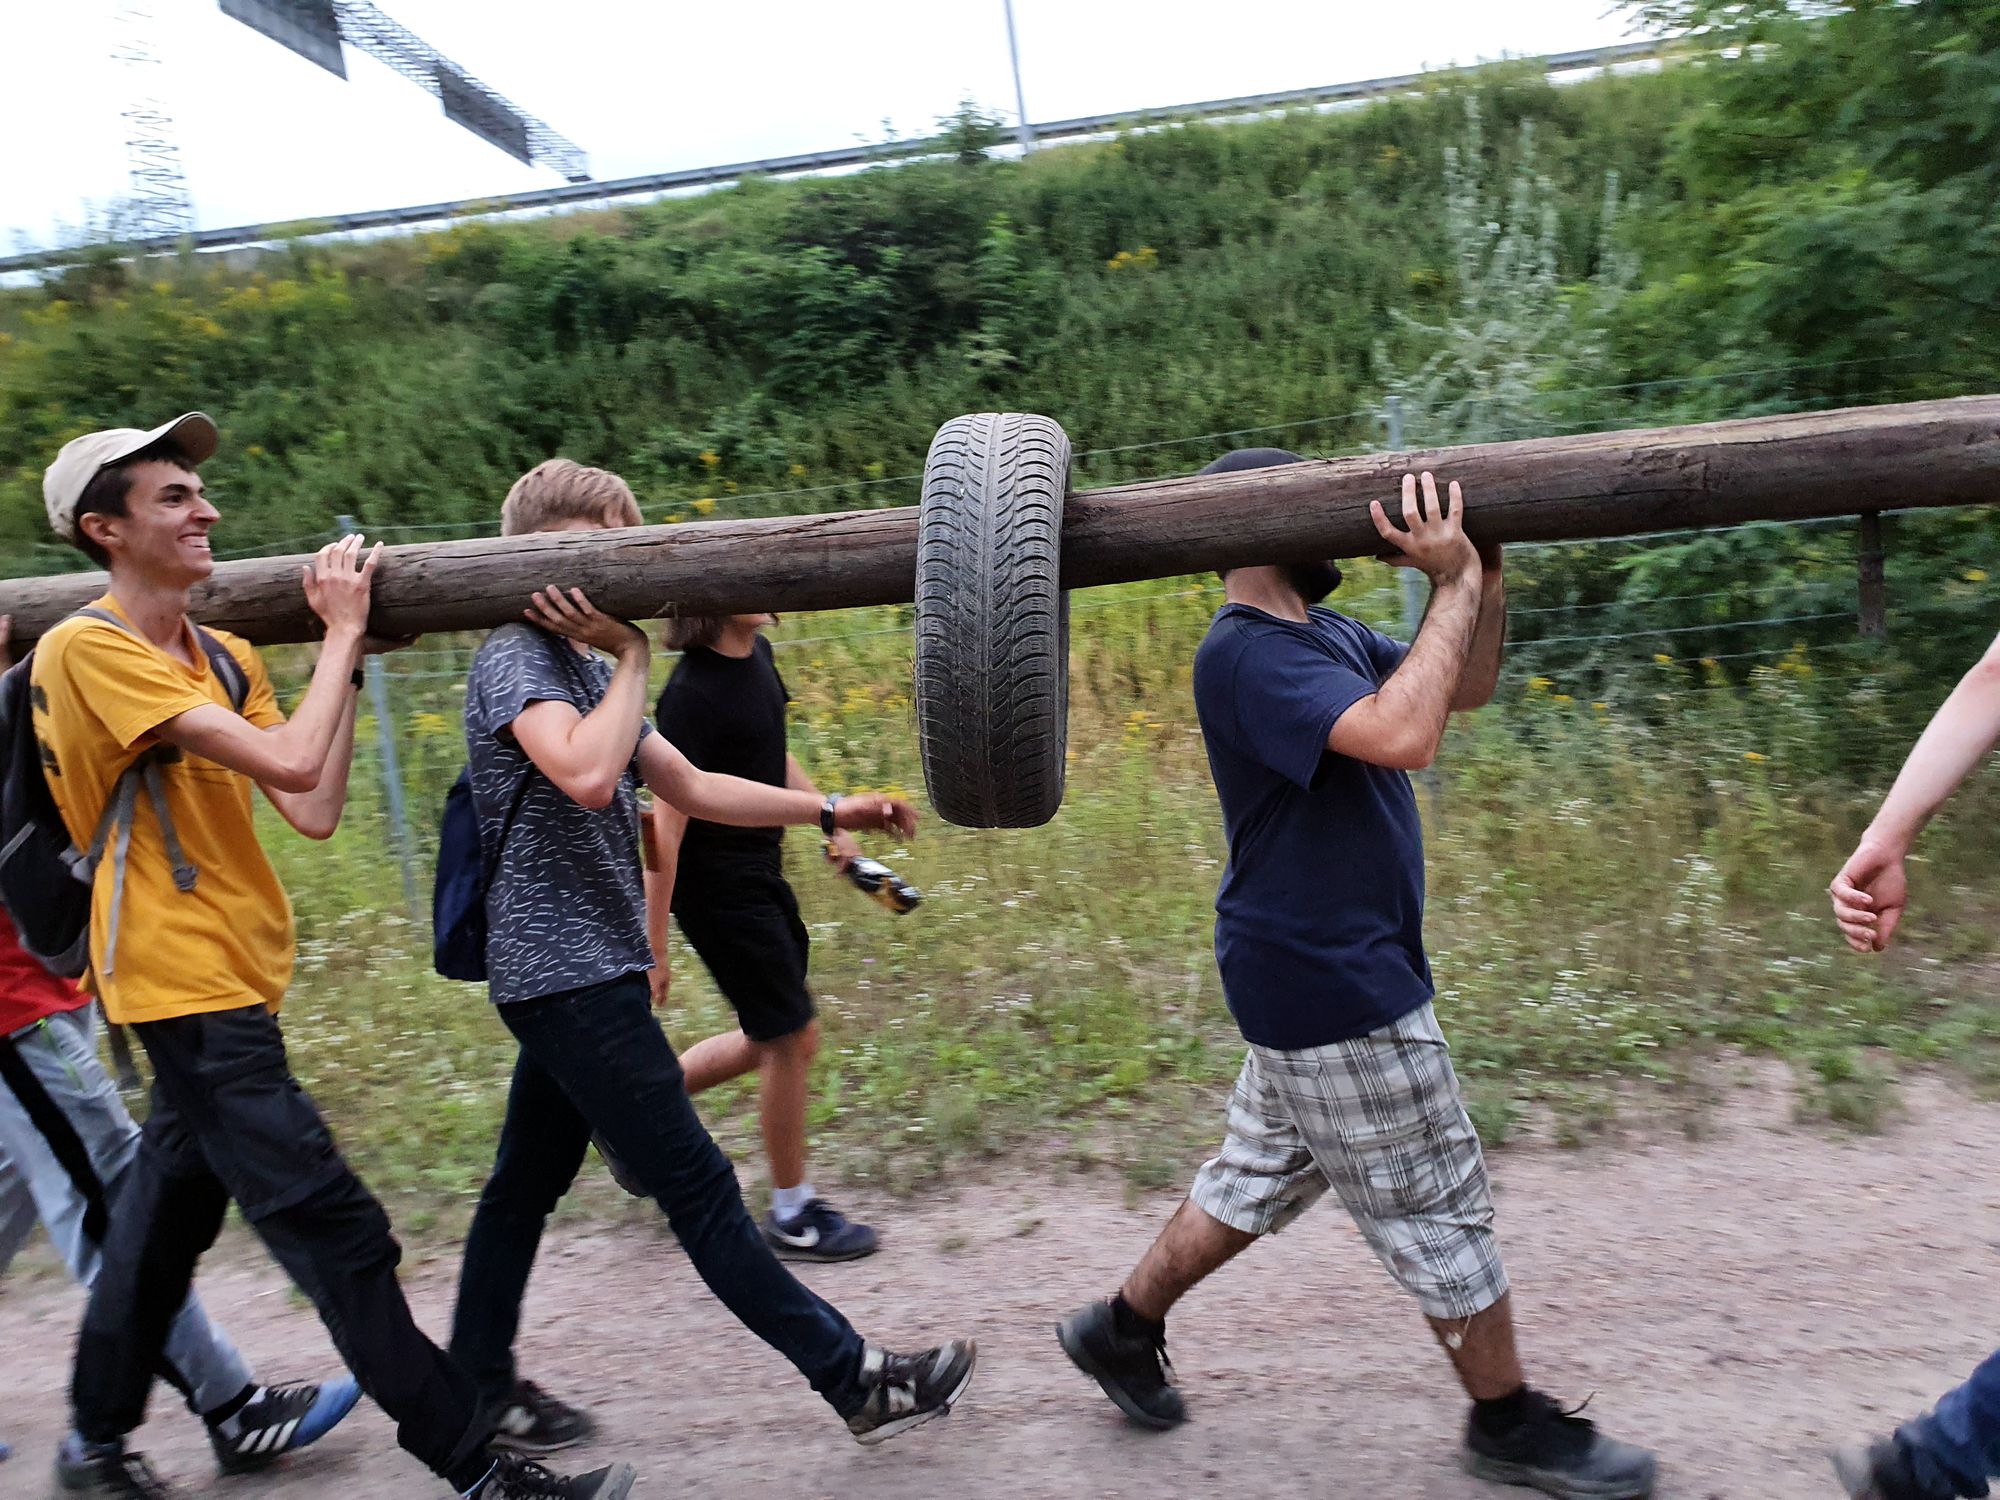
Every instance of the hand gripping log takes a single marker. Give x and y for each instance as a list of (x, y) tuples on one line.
[(999, 539)]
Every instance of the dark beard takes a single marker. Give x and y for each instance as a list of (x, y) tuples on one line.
[(1315, 580)]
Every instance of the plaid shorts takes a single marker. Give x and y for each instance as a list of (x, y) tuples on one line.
[(1379, 1120)]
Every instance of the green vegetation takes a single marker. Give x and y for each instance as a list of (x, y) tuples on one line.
[(1628, 851)]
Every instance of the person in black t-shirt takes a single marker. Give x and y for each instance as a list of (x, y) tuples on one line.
[(724, 707)]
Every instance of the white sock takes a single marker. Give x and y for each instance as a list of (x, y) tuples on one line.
[(786, 1202)]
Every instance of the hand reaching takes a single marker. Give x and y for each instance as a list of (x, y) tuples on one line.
[(1869, 895)]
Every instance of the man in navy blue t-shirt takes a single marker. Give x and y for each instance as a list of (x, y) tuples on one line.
[(1313, 722)]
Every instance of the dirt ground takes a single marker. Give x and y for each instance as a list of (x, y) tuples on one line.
[(1739, 1302)]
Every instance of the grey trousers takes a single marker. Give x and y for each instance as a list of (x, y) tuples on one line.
[(66, 1144)]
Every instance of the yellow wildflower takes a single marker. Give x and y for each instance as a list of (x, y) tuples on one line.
[(710, 459), (1752, 756), (704, 506)]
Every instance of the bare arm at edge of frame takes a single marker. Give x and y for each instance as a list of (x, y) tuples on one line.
[(1872, 889)]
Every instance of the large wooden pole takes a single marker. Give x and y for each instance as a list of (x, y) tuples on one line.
[(1932, 453)]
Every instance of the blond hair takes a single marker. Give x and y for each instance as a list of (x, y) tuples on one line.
[(560, 489)]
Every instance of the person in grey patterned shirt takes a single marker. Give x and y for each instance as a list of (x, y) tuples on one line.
[(568, 878), (558, 741)]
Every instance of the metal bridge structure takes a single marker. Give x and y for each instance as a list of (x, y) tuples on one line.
[(1557, 65)]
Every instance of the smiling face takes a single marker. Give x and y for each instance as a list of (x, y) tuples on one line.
[(162, 536)]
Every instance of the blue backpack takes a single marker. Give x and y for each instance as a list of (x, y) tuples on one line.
[(464, 873)]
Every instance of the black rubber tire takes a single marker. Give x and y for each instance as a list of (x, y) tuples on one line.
[(992, 671)]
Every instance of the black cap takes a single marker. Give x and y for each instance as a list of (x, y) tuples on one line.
[(1252, 458), (1269, 458)]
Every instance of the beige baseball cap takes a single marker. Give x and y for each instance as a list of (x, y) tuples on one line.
[(63, 482)]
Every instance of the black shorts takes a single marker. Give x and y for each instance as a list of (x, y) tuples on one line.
[(744, 923)]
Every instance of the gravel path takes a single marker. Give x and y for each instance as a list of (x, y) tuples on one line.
[(1739, 1302)]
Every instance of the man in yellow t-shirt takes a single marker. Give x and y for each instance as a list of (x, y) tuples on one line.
[(105, 693), (196, 958)]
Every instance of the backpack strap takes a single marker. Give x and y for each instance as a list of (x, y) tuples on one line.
[(222, 661), (121, 807), (121, 1059)]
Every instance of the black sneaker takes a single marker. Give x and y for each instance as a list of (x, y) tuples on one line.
[(907, 1390), (536, 1423), (819, 1231), (281, 1419), (1880, 1471), (107, 1469), (515, 1478), (1133, 1369), (1560, 1454)]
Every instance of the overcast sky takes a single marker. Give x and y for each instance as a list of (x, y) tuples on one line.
[(650, 85)]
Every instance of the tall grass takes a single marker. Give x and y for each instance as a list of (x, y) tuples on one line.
[(1620, 892)]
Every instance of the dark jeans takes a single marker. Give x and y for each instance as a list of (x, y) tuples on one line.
[(1956, 1449), (594, 1059), (229, 1121)]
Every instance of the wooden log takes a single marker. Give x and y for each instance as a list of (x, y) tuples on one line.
[(1932, 453)]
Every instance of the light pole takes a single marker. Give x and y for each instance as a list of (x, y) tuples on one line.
[(1023, 130)]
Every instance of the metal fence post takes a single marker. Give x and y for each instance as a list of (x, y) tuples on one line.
[(392, 769), (1413, 592), (1413, 589), (1874, 613)]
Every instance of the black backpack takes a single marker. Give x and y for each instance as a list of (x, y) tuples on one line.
[(464, 873), (45, 880)]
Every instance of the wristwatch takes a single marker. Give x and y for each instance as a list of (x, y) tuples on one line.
[(355, 679), (826, 823)]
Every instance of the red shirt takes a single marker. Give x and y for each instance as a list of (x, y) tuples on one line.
[(29, 992)]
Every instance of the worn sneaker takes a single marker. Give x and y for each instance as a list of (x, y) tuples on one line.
[(1560, 1454), (819, 1232), (536, 1423), (907, 1390), (1880, 1471), (516, 1478), (1133, 1369), (279, 1420), (107, 1469)]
